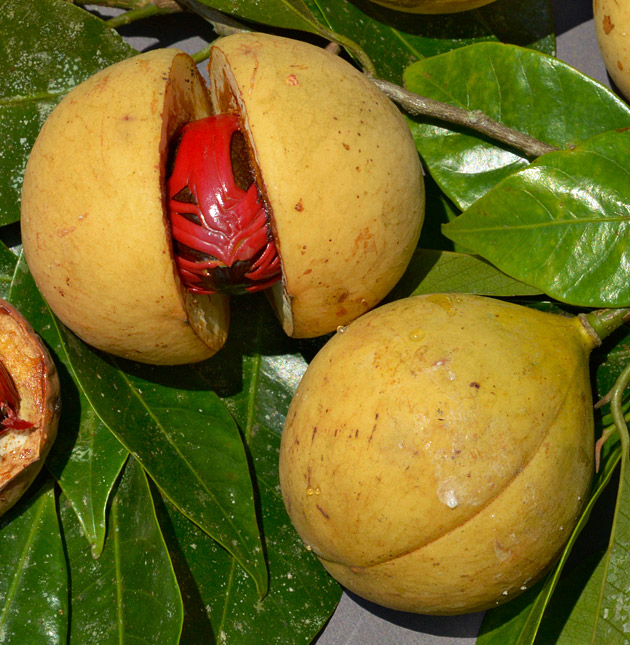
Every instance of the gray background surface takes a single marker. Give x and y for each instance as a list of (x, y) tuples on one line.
[(357, 622)]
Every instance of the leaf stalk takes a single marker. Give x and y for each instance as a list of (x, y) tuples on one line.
[(417, 105)]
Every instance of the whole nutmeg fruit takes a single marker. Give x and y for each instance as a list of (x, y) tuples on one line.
[(148, 197), (612, 27), (433, 6), (438, 452), (29, 405)]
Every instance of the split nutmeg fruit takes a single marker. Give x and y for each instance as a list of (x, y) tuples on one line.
[(29, 405), (148, 197)]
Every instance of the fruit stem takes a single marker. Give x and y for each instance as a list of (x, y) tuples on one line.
[(417, 105), (604, 322)]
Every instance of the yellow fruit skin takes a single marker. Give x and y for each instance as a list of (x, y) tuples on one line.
[(612, 27), (23, 452), (438, 452), (94, 227), (338, 168), (432, 6)]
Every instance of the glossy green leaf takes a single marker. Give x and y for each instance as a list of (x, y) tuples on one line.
[(185, 438), (287, 14), (524, 89), (571, 211), (444, 271), (610, 360), (128, 594), (263, 370), (8, 262), (179, 430), (86, 464), (611, 615), (34, 580), (571, 608), (394, 39), (46, 48)]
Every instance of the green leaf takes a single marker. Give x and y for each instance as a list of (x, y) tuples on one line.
[(46, 48), (571, 211), (287, 14), (444, 271), (180, 432), (86, 464), (515, 86), (394, 39), (611, 618), (185, 438), (8, 262), (34, 581), (85, 457), (258, 373), (130, 593)]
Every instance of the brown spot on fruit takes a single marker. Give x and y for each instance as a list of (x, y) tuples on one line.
[(608, 25)]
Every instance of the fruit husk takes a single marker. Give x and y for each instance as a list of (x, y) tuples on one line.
[(337, 167), (438, 452), (612, 23), (94, 224), (22, 452)]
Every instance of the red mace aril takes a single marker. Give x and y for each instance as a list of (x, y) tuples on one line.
[(10, 404), (220, 227)]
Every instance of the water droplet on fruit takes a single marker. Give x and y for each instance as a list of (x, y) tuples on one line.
[(341, 329), (444, 301), (310, 490), (449, 498), (416, 335)]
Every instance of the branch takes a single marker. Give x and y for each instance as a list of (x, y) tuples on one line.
[(417, 105)]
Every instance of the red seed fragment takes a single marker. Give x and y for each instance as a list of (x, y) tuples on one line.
[(222, 238), (10, 404)]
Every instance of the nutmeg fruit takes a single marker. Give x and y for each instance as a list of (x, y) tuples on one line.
[(438, 452), (29, 405), (433, 6), (333, 160), (94, 227), (612, 28)]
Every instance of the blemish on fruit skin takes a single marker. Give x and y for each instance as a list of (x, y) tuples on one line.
[(608, 25), (292, 80), (322, 511)]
